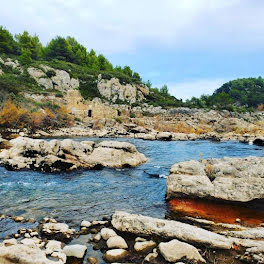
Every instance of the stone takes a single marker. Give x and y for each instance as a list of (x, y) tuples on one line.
[(148, 226), (115, 255), (22, 254), (165, 136), (229, 179), (92, 260), (96, 238), (140, 239), (175, 250), (61, 256), (151, 256), (54, 245), (116, 242), (86, 224), (141, 247), (77, 251), (106, 233), (59, 231)]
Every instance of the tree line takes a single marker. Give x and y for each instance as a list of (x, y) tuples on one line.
[(29, 48), (236, 95)]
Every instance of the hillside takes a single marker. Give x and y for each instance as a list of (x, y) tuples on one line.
[(26, 65), (236, 95)]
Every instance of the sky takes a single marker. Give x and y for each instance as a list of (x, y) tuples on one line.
[(193, 46)]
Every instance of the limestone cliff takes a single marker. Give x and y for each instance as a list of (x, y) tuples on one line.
[(113, 90)]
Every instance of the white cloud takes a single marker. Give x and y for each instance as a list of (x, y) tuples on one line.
[(188, 89), (124, 26)]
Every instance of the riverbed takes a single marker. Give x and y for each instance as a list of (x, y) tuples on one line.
[(92, 194)]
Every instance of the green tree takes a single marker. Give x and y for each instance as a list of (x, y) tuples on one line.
[(78, 50), (59, 48), (7, 43), (25, 57), (92, 61), (164, 89), (30, 43), (127, 71), (136, 77), (104, 64)]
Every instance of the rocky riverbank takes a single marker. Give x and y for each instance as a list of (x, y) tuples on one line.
[(130, 238), (68, 155), (138, 132)]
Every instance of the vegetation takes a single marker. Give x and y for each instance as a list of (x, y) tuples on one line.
[(161, 97), (29, 49), (16, 117), (237, 95)]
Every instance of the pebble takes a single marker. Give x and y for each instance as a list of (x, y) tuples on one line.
[(92, 260)]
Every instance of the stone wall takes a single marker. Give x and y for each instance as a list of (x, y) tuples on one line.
[(82, 109)]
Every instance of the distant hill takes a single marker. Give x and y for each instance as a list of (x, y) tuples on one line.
[(246, 93)]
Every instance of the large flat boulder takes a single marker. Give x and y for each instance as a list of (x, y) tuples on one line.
[(67, 155), (148, 226), (229, 179)]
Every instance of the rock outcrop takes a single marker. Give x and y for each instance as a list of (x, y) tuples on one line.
[(67, 155), (148, 226), (229, 179), (113, 90), (60, 79)]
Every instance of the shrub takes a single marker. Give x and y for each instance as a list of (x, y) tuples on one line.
[(50, 73)]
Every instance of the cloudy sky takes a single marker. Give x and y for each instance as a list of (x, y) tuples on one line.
[(193, 46)]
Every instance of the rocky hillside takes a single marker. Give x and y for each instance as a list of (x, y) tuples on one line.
[(48, 80)]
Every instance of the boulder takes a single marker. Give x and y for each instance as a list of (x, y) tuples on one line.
[(165, 136), (68, 155), (115, 255), (175, 250), (116, 242), (85, 223), (22, 254), (229, 179), (144, 246), (106, 233), (148, 226), (54, 245), (77, 251), (59, 231)]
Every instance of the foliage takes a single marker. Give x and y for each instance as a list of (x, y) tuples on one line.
[(25, 57), (237, 95), (29, 44), (161, 97), (7, 43), (15, 117)]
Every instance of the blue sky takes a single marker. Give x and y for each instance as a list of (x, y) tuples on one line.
[(193, 46)]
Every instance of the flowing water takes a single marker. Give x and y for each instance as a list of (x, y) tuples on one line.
[(88, 194)]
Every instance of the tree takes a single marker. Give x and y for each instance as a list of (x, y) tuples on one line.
[(59, 48), (7, 42), (128, 71), (78, 50), (104, 64), (164, 89), (25, 57), (136, 77), (92, 61), (30, 43)]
